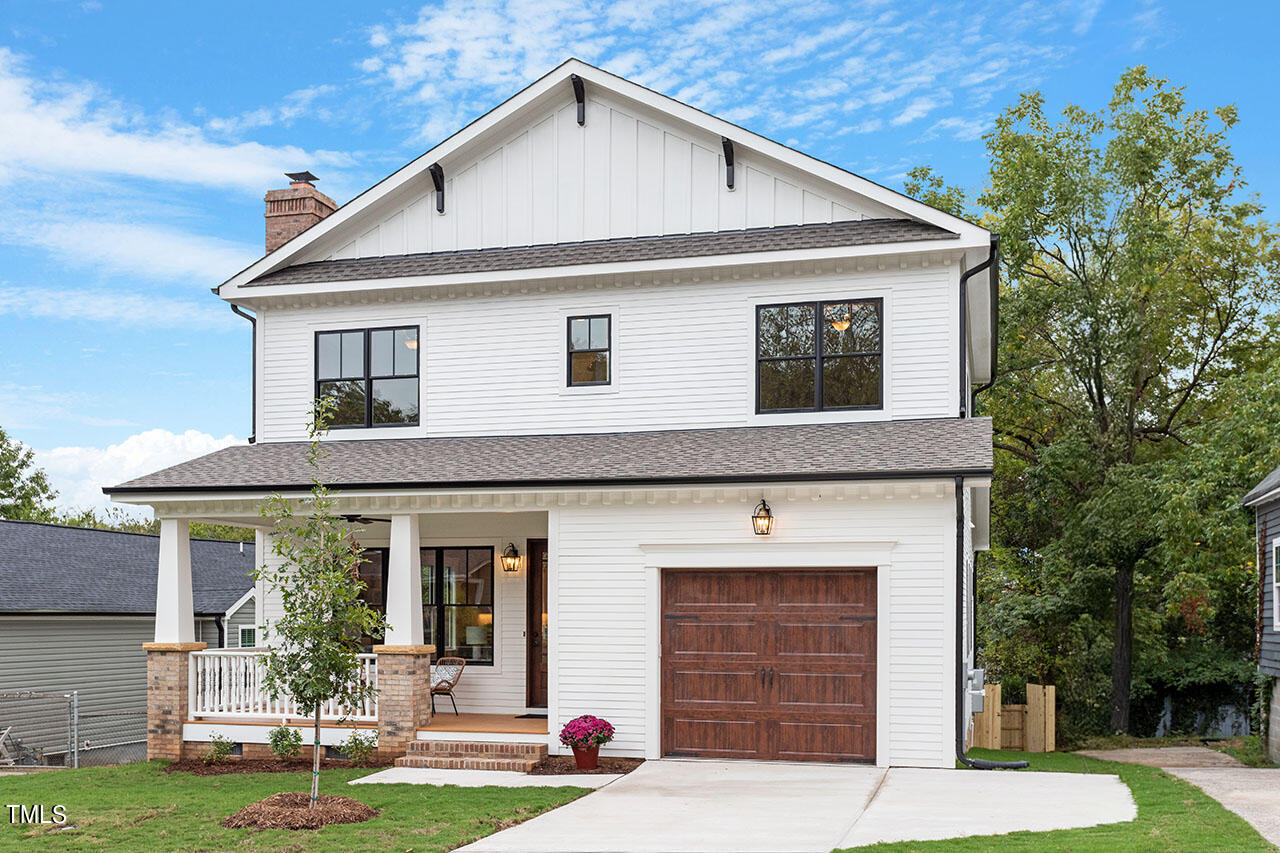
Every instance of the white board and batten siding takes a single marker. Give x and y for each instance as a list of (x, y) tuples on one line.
[(683, 356), (604, 618), (497, 689), (629, 171)]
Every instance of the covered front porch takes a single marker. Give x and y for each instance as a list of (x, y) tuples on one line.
[(462, 584)]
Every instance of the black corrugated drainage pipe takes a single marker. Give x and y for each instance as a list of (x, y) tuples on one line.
[(966, 408), (995, 322), (253, 411), (961, 664)]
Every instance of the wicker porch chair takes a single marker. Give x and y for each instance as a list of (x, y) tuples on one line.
[(444, 677)]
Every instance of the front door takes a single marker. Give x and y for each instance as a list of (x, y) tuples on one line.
[(536, 624), (769, 664)]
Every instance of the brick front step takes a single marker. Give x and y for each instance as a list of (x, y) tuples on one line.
[(473, 755), (446, 762), (476, 749)]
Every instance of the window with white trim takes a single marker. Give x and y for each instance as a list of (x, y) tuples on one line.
[(248, 638), (1275, 584)]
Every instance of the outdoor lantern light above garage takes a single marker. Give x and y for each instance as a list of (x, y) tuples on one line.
[(511, 558), (762, 519)]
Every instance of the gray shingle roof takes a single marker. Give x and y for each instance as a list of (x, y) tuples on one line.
[(51, 568), (847, 451), (1269, 483), (820, 235)]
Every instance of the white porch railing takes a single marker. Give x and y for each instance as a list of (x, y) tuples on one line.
[(228, 683)]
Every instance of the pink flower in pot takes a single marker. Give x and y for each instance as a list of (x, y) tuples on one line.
[(585, 735)]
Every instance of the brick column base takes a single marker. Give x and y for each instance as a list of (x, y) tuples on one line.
[(167, 699), (404, 695)]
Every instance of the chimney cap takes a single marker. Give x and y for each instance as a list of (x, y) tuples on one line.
[(301, 177)]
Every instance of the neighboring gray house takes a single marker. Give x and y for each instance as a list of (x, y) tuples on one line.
[(1265, 500), (77, 604)]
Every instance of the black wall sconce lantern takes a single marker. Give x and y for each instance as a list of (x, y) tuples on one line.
[(762, 519), (511, 558)]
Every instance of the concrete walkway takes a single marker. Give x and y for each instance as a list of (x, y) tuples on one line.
[(482, 778), (696, 806), (1252, 793)]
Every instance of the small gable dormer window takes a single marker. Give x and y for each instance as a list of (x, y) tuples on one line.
[(820, 356), (371, 375), (590, 344)]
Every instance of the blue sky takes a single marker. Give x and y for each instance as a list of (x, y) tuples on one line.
[(137, 140)]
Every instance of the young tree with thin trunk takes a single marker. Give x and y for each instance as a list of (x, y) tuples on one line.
[(314, 643)]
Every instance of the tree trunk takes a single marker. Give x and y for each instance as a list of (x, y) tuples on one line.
[(1122, 651), (315, 761)]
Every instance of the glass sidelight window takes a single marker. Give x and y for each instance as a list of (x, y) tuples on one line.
[(457, 602), (371, 374)]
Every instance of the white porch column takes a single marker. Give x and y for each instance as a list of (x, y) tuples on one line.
[(175, 622), (404, 584)]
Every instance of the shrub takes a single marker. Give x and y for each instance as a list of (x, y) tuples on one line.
[(219, 750), (285, 742), (586, 731), (359, 748)]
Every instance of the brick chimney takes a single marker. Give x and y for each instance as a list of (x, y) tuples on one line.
[(292, 211)]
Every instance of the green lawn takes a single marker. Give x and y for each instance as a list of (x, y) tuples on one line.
[(1172, 816), (139, 807)]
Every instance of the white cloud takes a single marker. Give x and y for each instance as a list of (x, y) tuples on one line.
[(115, 308), (65, 129), (456, 58), (79, 473), (1087, 12), (134, 249)]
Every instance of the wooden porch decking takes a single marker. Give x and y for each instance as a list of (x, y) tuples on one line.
[(447, 721)]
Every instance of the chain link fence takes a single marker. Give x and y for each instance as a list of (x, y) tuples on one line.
[(57, 729)]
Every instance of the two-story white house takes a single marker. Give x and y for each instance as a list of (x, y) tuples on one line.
[(642, 415)]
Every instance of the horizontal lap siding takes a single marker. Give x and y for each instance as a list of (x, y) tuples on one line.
[(683, 355), (601, 618), (1269, 521), (101, 657), (626, 172), (499, 689)]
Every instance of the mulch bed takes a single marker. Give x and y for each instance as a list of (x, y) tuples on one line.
[(266, 765), (563, 765), (290, 811)]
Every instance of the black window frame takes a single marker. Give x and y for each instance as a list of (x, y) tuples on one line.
[(817, 356), (368, 379), (439, 606), (569, 350)]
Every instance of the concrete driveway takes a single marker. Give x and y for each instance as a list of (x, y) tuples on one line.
[(692, 806)]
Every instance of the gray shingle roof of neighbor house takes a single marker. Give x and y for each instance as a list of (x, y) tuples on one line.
[(49, 568), (821, 235), (849, 451), (1269, 484)]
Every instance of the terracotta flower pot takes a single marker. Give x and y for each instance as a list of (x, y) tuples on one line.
[(587, 757)]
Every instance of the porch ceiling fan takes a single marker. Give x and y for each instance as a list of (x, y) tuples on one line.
[(357, 518)]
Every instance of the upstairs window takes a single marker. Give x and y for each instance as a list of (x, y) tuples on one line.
[(820, 356), (371, 374), (248, 638), (590, 341)]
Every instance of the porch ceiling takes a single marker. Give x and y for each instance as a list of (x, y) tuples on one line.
[(792, 453)]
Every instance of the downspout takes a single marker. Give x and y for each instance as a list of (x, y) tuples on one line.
[(253, 411), (966, 409), (961, 664), (222, 631), (995, 321)]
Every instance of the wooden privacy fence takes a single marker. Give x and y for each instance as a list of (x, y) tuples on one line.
[(1027, 728)]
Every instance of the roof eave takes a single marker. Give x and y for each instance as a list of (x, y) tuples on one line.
[(290, 251)]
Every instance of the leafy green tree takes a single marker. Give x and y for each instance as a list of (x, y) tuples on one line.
[(1135, 282), (25, 493), (313, 644), (116, 518)]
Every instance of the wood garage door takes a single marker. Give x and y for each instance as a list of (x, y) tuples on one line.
[(774, 664)]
